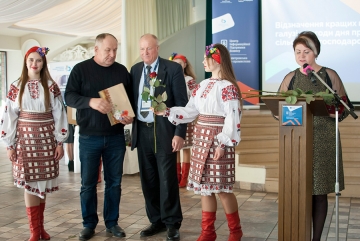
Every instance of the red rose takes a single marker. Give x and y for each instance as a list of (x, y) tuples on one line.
[(153, 75)]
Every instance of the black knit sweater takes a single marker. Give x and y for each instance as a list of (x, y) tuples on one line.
[(85, 81)]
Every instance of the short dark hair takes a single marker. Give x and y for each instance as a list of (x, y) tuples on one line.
[(102, 36), (310, 40)]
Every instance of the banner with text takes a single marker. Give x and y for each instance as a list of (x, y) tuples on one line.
[(235, 24)]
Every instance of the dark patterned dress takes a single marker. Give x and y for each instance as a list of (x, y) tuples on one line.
[(324, 139)]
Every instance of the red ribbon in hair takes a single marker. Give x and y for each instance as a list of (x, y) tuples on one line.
[(216, 56), (31, 50), (182, 57)]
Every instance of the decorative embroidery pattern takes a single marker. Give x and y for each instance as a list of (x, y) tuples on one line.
[(3, 134), (9, 148), (35, 156), (167, 112), (207, 89), (54, 88), (12, 94), (34, 88), (229, 93), (63, 131), (191, 84), (193, 94)]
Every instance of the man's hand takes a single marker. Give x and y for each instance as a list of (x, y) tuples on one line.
[(126, 120), (100, 105), (177, 143)]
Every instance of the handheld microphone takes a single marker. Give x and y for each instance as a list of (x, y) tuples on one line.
[(309, 72)]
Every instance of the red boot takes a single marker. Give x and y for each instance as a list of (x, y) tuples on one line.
[(178, 171), (43, 234), (34, 224), (184, 174), (234, 226), (208, 227)]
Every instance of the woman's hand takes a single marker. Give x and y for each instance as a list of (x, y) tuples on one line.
[(218, 153), (11, 155), (59, 153)]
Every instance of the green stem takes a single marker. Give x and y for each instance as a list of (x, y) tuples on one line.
[(155, 131)]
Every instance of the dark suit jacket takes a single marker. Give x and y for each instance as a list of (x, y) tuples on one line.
[(171, 75)]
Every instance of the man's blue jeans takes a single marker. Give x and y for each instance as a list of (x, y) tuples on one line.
[(112, 150)]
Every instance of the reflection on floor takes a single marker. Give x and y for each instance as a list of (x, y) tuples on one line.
[(63, 217)]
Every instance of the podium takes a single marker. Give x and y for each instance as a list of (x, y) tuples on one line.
[(295, 166)]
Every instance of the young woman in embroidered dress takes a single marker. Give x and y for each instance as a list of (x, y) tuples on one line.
[(217, 104), (183, 169), (34, 126)]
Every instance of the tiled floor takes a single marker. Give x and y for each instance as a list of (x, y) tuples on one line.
[(63, 218)]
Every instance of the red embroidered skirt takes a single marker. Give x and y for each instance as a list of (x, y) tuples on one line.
[(35, 148), (189, 135), (203, 169)]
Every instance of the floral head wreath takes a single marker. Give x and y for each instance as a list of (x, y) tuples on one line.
[(212, 52), (42, 51), (177, 56)]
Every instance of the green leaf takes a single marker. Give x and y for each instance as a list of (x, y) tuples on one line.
[(164, 96), (154, 104), (161, 107), (146, 89), (157, 83), (299, 91), (291, 99), (288, 99), (159, 99), (145, 96), (293, 92), (309, 98)]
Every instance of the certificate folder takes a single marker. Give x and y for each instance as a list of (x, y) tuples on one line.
[(117, 97)]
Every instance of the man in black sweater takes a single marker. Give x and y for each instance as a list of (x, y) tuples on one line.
[(97, 137)]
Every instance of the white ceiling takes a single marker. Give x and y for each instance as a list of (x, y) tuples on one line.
[(77, 18)]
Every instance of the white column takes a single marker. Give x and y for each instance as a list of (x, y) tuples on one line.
[(123, 37)]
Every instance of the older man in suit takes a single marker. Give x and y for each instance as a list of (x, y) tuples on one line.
[(158, 167)]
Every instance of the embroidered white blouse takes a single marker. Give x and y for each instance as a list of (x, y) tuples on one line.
[(33, 101), (190, 85), (212, 97)]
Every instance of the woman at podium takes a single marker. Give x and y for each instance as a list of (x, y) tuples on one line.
[(306, 49)]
